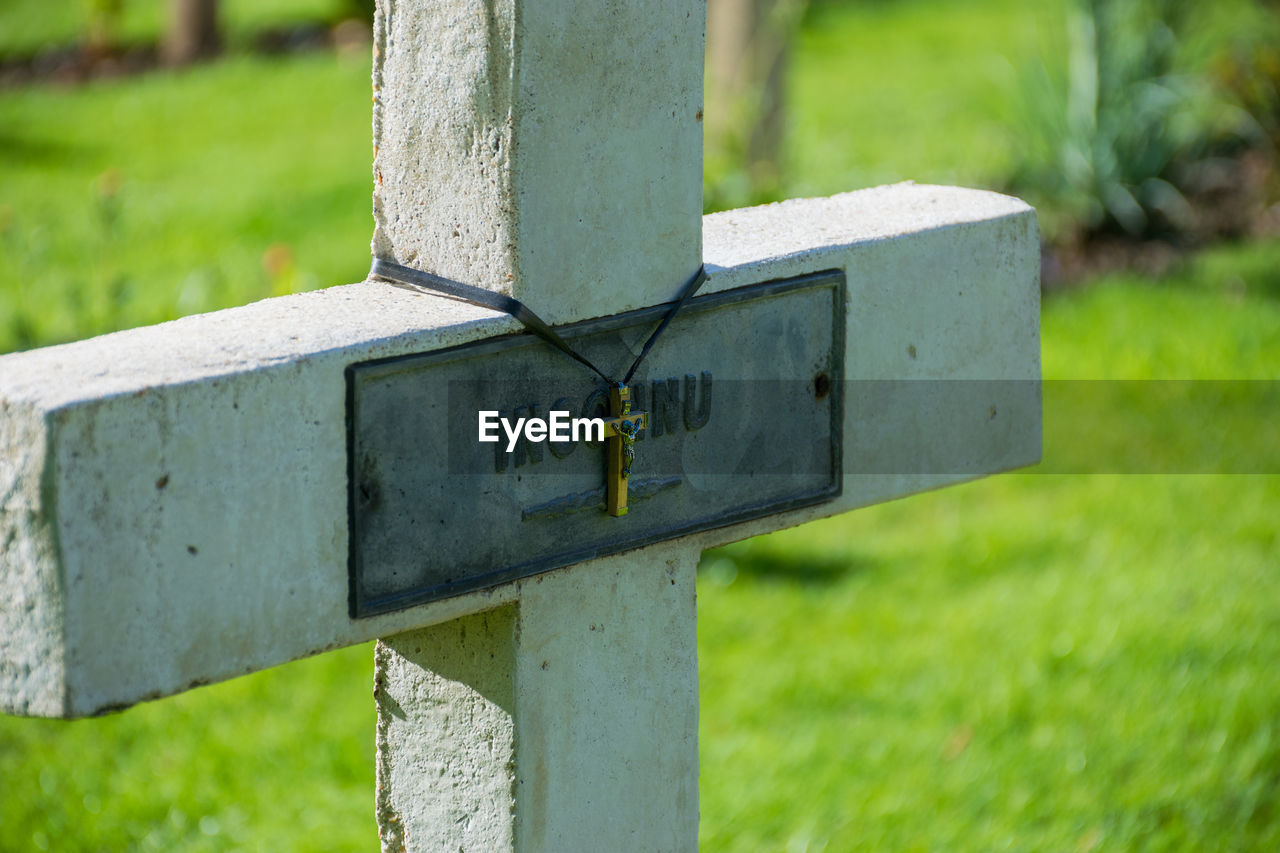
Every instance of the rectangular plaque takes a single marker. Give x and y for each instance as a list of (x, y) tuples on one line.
[(745, 404)]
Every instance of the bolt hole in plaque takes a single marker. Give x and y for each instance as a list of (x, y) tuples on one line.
[(745, 413), (821, 385)]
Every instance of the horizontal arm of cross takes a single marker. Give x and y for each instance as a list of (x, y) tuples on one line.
[(637, 420), (174, 499)]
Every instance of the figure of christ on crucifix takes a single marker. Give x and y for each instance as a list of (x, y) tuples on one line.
[(621, 427)]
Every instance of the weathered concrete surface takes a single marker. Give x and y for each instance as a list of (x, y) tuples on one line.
[(32, 669), (447, 736), (506, 135), (190, 519), (944, 284), (565, 722)]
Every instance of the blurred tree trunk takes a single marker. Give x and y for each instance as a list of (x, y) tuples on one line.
[(748, 47), (192, 32)]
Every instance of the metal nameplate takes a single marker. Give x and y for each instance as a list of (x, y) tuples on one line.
[(745, 412)]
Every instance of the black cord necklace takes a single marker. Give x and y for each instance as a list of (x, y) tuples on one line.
[(623, 424)]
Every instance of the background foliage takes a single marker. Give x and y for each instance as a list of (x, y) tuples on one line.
[(1117, 138)]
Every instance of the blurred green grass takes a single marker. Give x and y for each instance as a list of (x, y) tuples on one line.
[(911, 90), (132, 202), (27, 26), (278, 760), (1033, 661)]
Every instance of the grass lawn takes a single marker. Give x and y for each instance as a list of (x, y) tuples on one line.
[(137, 201), (1034, 661), (911, 89), (132, 202), (1031, 662)]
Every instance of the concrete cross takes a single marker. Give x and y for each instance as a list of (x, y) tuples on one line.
[(192, 501)]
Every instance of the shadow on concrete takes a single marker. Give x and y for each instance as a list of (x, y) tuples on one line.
[(720, 567)]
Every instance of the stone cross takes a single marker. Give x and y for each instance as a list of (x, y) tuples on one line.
[(188, 502)]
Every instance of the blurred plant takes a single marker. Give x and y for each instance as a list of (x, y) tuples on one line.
[(1104, 146), (103, 25), (281, 269), (107, 200), (1247, 65), (360, 10)]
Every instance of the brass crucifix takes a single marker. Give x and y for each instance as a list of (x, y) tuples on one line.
[(620, 447)]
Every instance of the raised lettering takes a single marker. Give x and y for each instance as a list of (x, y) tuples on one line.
[(596, 404), (501, 458), (488, 426), (513, 435), (561, 447), (638, 399), (558, 425), (589, 426), (526, 431), (526, 451), (696, 418), (665, 405)]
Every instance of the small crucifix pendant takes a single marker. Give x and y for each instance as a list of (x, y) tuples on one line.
[(620, 447)]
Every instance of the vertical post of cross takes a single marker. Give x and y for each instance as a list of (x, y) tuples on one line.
[(552, 150), (549, 149)]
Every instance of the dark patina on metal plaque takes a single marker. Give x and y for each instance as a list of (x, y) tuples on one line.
[(744, 395)]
